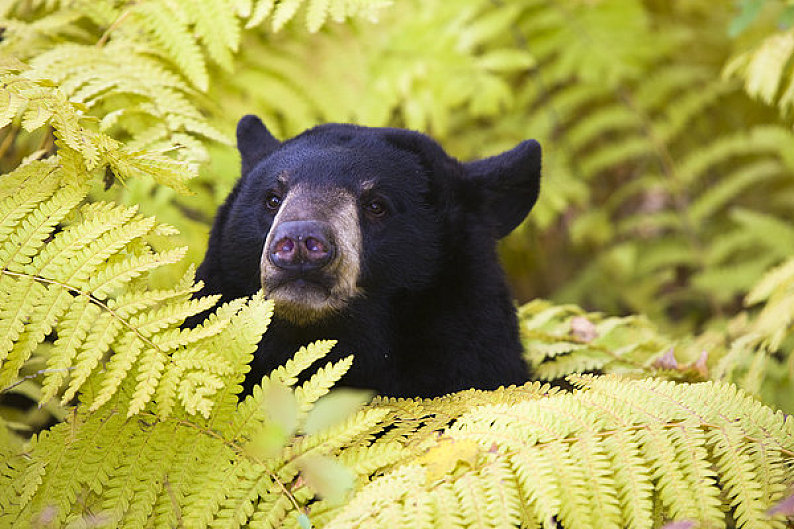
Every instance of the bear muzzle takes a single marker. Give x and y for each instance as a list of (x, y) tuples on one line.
[(311, 258)]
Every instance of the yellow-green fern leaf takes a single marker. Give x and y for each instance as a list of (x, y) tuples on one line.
[(490, 496), (204, 482), (334, 438), (738, 475), (284, 12), (116, 274), (446, 507), (72, 331), (172, 173), (34, 228), (150, 368), (126, 352), (320, 383), (169, 31), (21, 191), (218, 29), (366, 460), (632, 480), (305, 357), (105, 330), (377, 504), (317, 14), (261, 11)]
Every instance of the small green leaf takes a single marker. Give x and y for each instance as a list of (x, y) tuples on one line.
[(304, 521), (334, 408), (281, 407), (329, 478), (750, 9)]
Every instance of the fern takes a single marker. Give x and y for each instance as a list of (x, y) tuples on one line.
[(763, 67), (612, 419), (563, 339), (613, 454), (112, 91), (66, 268)]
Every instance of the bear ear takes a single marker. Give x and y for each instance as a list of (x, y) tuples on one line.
[(511, 180), (254, 141)]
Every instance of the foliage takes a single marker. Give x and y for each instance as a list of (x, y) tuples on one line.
[(753, 351), (666, 197), (615, 454)]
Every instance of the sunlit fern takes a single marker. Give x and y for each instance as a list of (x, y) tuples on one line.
[(616, 454)]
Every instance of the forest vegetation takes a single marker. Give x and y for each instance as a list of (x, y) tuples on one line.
[(654, 279)]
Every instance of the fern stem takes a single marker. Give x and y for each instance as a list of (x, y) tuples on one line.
[(680, 200), (92, 299), (239, 450), (116, 23), (174, 502), (34, 375), (47, 143), (13, 131)]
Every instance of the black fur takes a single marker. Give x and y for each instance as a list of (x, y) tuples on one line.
[(435, 315)]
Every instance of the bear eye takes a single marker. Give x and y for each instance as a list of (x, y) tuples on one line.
[(376, 208), (272, 201)]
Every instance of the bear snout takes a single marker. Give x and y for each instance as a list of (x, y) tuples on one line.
[(302, 246)]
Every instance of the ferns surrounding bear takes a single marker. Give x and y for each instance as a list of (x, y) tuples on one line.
[(685, 209)]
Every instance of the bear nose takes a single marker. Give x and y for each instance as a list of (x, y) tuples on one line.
[(301, 245)]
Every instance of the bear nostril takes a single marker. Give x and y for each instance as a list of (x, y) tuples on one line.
[(315, 246), (283, 253), (285, 246)]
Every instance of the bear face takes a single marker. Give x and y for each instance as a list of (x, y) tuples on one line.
[(377, 238)]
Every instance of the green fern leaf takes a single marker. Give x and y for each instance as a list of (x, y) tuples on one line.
[(261, 12), (305, 357), (218, 29), (731, 186), (739, 477), (332, 439), (316, 14), (284, 12), (169, 32), (126, 352), (35, 227), (446, 508), (320, 383), (112, 276), (632, 480), (150, 368), (777, 278), (72, 331)]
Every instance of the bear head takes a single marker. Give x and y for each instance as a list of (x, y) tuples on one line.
[(353, 230)]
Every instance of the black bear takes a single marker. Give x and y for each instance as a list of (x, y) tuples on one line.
[(377, 238)]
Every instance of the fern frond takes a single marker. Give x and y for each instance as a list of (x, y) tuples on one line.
[(563, 339), (633, 484), (317, 13), (306, 356), (68, 285), (261, 11), (334, 438), (283, 13), (169, 31), (614, 454), (731, 186), (320, 383), (378, 504), (218, 28)]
